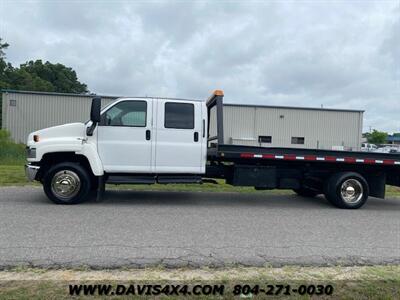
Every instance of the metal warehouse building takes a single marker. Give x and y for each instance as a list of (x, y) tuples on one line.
[(294, 127), (24, 112), (269, 126)]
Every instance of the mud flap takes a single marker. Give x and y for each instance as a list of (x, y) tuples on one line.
[(100, 188)]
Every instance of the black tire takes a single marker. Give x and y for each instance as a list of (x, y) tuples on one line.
[(69, 172), (335, 190), (305, 192)]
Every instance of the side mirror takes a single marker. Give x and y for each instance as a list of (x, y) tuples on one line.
[(94, 115), (95, 110)]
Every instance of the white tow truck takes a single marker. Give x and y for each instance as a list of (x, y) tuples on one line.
[(165, 141)]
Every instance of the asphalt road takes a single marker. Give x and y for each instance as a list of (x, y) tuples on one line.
[(197, 229)]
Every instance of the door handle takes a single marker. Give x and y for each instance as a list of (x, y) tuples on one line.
[(196, 136), (148, 135)]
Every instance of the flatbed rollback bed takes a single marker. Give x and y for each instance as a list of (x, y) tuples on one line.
[(346, 178)]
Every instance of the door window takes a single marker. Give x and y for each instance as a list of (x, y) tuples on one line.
[(179, 115), (126, 113)]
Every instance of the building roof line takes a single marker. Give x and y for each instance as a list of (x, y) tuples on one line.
[(294, 107), (184, 99), (89, 95)]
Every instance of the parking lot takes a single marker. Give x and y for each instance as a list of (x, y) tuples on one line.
[(132, 228)]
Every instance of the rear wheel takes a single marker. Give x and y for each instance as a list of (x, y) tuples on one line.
[(347, 190), (305, 192), (67, 183)]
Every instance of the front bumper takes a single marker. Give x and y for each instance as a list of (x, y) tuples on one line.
[(31, 171)]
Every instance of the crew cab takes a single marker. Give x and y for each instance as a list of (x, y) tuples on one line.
[(166, 141)]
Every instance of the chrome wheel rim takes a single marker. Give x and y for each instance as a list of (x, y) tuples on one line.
[(65, 184), (351, 191)]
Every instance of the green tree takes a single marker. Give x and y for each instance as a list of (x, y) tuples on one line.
[(20, 79), (4, 69), (38, 76), (3, 46), (4, 66), (62, 79), (376, 137)]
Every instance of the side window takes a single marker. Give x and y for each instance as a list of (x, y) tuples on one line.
[(265, 139), (298, 140), (126, 113), (179, 115)]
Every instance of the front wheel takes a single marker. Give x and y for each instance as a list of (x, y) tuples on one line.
[(347, 190), (67, 183)]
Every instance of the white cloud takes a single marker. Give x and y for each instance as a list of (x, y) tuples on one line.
[(339, 54)]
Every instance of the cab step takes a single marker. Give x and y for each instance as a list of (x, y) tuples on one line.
[(130, 179), (151, 179), (165, 179)]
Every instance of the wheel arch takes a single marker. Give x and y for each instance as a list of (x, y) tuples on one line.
[(52, 158)]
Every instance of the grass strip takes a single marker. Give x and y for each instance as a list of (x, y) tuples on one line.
[(367, 282)]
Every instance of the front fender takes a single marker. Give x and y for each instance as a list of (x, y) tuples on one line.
[(89, 150), (74, 145), (55, 145)]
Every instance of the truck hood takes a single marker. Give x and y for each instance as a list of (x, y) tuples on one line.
[(73, 130)]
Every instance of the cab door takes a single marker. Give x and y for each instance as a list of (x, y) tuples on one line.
[(125, 137), (179, 137)]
